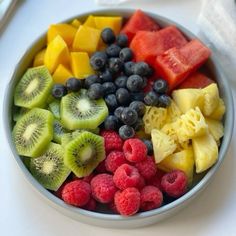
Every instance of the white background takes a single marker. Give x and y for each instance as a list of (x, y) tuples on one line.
[(22, 212)]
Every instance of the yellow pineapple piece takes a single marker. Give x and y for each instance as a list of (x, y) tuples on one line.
[(211, 99), (182, 160), (188, 98), (90, 22), (61, 74), (173, 112), (39, 58), (56, 53), (76, 23), (66, 31), (86, 39), (215, 128), (80, 65), (205, 152), (154, 118), (163, 145), (113, 22), (218, 113)]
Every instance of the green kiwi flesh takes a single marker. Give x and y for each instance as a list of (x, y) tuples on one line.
[(84, 153), (54, 107), (19, 112), (58, 131), (33, 88), (49, 169), (33, 132), (79, 112)]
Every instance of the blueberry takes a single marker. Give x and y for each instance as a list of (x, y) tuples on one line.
[(150, 71), (160, 86), (118, 112), (141, 68), (126, 54), (111, 123), (122, 40), (91, 80), (126, 132), (73, 84), (129, 116), (151, 99), (111, 102), (113, 50), (120, 81), (115, 65), (108, 88), (164, 100), (134, 83), (98, 60), (137, 96), (108, 36), (139, 107), (122, 96), (128, 68), (144, 82), (106, 76), (58, 91), (149, 146), (138, 125), (95, 91)]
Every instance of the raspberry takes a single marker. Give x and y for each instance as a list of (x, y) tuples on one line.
[(88, 178), (141, 183), (114, 160), (76, 193), (147, 168), (112, 140), (174, 183), (156, 179), (151, 198), (101, 168), (127, 202), (135, 150), (103, 188), (126, 176), (58, 193), (91, 205)]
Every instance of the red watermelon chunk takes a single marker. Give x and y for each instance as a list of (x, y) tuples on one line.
[(196, 80), (147, 45), (175, 65), (139, 21)]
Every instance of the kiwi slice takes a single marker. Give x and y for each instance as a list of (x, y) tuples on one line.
[(19, 112), (84, 153), (33, 132), (49, 169), (33, 88), (78, 111), (58, 131), (54, 107)]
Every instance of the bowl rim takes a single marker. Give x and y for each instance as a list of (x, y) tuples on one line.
[(114, 217)]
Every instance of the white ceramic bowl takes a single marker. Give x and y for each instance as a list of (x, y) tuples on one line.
[(112, 220)]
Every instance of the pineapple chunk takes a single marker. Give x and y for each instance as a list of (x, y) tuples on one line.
[(80, 65), (182, 160), (188, 98), (173, 112), (76, 23), (218, 113), (90, 22), (211, 98), (56, 53), (154, 118), (61, 74), (215, 128), (39, 58), (86, 39), (163, 145), (205, 152)]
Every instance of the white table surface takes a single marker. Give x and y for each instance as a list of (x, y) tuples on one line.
[(22, 212)]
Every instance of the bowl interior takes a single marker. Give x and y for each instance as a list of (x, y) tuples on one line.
[(201, 181)]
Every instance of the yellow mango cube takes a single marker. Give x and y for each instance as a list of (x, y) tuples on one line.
[(80, 65), (66, 31), (39, 58), (61, 74), (86, 39), (113, 22), (90, 22), (182, 160), (76, 23), (56, 53)]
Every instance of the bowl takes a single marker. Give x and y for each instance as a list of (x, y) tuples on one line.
[(112, 220)]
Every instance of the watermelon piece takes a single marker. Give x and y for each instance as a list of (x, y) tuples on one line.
[(147, 45), (139, 21), (175, 65), (196, 80)]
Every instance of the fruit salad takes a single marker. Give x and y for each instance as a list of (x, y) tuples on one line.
[(118, 114)]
